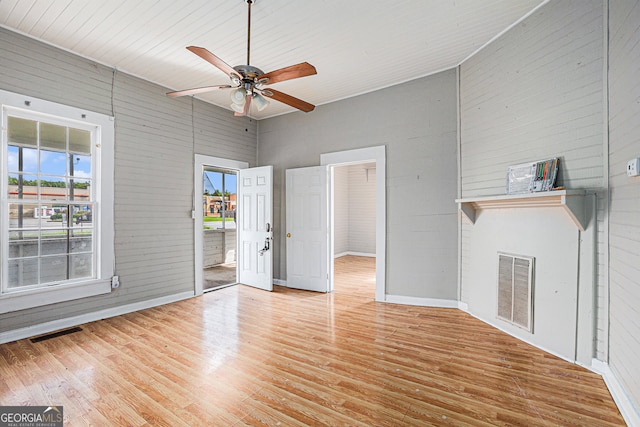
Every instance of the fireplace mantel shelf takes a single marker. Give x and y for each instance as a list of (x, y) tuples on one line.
[(572, 201)]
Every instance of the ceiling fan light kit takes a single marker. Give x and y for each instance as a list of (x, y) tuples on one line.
[(247, 81)]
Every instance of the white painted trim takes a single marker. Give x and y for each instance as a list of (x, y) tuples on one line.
[(280, 282), (103, 127), (56, 325), (603, 235), (459, 177), (630, 413), (341, 254), (361, 155), (54, 294), (463, 306), (424, 302), (200, 162)]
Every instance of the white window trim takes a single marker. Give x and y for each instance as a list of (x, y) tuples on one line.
[(104, 229)]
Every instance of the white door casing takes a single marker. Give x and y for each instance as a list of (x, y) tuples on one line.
[(202, 161), (378, 155), (307, 228), (255, 227)]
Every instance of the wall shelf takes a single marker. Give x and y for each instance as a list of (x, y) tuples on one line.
[(571, 201)]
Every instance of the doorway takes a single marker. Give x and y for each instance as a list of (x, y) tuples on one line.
[(248, 215), (354, 223), (373, 159), (205, 164), (219, 207)]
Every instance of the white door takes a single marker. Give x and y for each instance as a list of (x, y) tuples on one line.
[(306, 231), (255, 227)]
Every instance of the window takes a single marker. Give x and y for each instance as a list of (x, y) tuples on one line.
[(219, 198), (57, 227)]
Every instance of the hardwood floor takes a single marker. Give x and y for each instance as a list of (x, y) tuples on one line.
[(241, 356)]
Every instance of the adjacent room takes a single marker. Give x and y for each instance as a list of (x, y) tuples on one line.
[(431, 218)]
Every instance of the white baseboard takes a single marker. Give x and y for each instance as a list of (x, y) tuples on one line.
[(69, 322), (628, 411), (424, 302), (367, 254), (463, 306), (280, 282)]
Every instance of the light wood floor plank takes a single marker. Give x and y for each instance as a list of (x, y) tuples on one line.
[(244, 357)]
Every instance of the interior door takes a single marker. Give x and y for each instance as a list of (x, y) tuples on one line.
[(255, 227), (306, 198)]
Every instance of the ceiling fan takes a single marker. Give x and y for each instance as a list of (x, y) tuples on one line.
[(248, 81)]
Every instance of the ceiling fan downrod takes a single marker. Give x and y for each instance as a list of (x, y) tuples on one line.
[(249, 3)]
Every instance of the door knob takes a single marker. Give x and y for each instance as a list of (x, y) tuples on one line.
[(288, 234)]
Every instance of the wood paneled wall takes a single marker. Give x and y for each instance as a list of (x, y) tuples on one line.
[(624, 220), (155, 142), (538, 92)]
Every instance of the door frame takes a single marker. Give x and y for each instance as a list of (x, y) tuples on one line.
[(363, 155), (200, 162)]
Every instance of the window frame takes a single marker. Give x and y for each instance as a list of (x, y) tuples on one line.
[(16, 105)]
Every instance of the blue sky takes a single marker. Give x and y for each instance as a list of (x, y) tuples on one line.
[(215, 182)]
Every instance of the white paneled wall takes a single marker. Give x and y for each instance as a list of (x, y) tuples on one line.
[(624, 140), (534, 93), (340, 210), (355, 210), (362, 209)]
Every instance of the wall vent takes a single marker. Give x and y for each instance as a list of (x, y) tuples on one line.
[(515, 290)]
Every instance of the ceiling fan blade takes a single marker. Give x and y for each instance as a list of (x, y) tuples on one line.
[(247, 106), (287, 73), (214, 60), (288, 99), (198, 90)]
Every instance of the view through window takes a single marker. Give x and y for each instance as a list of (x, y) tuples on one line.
[(219, 199), (219, 207), (49, 203)]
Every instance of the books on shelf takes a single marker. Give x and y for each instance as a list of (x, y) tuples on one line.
[(532, 177)]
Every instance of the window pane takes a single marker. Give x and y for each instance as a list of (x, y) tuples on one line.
[(81, 166), (82, 216), (79, 141), (22, 131), (82, 241), (29, 159), (53, 163), (23, 244), (53, 269), (53, 188), (54, 242), (23, 272), (12, 186), (24, 216), (53, 136), (81, 190), (57, 216), (27, 190), (80, 266)]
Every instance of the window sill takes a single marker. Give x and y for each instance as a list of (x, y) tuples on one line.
[(54, 294)]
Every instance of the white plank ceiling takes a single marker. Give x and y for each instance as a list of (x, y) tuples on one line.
[(357, 46)]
